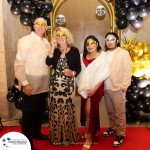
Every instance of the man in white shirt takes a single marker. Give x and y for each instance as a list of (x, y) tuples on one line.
[(116, 86), (33, 73)]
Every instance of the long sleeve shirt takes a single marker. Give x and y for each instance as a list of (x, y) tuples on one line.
[(30, 66)]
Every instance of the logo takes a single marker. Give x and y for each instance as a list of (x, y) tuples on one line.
[(14, 141)]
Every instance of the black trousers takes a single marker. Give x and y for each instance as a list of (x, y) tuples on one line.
[(32, 110)]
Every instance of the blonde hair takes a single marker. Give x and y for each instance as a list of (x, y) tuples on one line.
[(70, 41)]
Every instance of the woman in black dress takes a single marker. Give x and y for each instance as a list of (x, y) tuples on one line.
[(65, 58)]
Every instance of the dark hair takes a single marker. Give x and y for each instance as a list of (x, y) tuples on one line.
[(93, 38), (116, 35)]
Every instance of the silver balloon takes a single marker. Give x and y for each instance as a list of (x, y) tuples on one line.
[(100, 10), (60, 19)]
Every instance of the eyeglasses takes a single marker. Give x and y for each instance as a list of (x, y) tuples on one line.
[(110, 39), (40, 24), (90, 43), (60, 35)]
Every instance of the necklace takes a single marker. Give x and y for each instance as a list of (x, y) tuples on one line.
[(63, 50)]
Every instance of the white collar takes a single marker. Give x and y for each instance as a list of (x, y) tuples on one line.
[(36, 36)]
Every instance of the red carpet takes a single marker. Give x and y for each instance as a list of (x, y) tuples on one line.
[(136, 139)]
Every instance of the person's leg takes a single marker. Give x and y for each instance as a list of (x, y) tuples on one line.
[(28, 116), (39, 110), (87, 113), (119, 107), (110, 109)]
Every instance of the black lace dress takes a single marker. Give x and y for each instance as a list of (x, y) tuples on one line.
[(63, 128)]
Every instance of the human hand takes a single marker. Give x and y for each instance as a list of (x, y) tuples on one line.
[(68, 72), (54, 43), (27, 89), (91, 92)]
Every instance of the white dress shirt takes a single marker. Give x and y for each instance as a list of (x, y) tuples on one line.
[(30, 64)]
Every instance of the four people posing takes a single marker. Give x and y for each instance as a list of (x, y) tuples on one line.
[(95, 71)]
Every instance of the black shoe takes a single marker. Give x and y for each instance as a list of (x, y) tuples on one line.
[(109, 132), (118, 141), (41, 137)]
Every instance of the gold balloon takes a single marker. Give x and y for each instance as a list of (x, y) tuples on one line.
[(135, 58), (145, 44), (142, 60), (138, 69), (137, 51), (146, 56), (139, 43), (147, 68), (145, 49)]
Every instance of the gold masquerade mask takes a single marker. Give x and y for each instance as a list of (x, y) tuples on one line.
[(60, 35), (90, 43), (110, 39), (40, 24)]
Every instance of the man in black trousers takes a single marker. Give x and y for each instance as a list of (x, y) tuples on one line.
[(33, 73)]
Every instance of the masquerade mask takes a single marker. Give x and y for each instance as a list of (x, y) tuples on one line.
[(110, 39), (60, 35), (40, 24), (90, 43)]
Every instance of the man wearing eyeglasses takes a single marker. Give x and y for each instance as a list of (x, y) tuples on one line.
[(33, 73), (116, 86)]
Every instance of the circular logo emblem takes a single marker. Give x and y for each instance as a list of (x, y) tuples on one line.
[(14, 141)]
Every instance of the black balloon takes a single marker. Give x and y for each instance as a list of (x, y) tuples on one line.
[(10, 1), (33, 10), (34, 3), (147, 92), (26, 6), (144, 1), (10, 89), (132, 96), (137, 23), (147, 109), (127, 111), (118, 15), (135, 114), (139, 105), (48, 6), (126, 3), (25, 19), (40, 5), (11, 97), (131, 106), (34, 17), (122, 11), (47, 18), (15, 9), (122, 23), (141, 91), (42, 13), (117, 6), (134, 89), (128, 117), (134, 2), (131, 13), (146, 102), (143, 10), (148, 5), (141, 82), (18, 1), (18, 102)]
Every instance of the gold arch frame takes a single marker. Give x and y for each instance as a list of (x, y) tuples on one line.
[(109, 6)]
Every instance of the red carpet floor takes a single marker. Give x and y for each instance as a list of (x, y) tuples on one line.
[(136, 139)]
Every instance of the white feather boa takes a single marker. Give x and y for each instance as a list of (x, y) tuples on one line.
[(93, 74)]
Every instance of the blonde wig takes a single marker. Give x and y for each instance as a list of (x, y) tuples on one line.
[(70, 41)]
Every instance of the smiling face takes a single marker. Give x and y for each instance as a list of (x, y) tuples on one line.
[(40, 26), (91, 45), (61, 37), (111, 42)]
